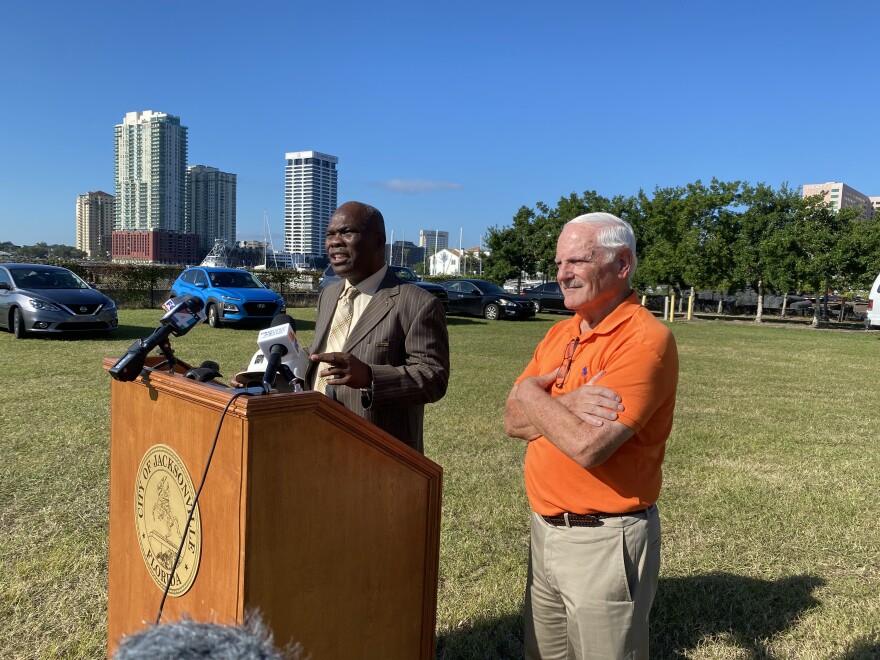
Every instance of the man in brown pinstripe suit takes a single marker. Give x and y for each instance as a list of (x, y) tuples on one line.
[(395, 358)]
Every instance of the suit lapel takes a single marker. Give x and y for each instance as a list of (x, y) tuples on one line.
[(322, 323), (325, 312), (380, 305)]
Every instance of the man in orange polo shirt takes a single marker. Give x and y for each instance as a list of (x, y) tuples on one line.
[(595, 405)]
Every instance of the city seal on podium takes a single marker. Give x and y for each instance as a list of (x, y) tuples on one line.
[(164, 496)]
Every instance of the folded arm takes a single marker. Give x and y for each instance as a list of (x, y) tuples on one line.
[(582, 423)]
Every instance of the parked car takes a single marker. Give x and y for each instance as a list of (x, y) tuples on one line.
[(230, 295), (518, 286), (487, 299), (41, 299), (403, 273), (872, 318), (547, 297)]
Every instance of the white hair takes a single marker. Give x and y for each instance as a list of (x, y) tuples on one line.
[(612, 235)]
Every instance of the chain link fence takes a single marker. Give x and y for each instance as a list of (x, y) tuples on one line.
[(135, 286)]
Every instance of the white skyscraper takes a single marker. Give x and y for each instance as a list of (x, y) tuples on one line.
[(210, 205), (310, 189), (150, 172), (95, 215)]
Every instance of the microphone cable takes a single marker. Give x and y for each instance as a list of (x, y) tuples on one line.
[(195, 503)]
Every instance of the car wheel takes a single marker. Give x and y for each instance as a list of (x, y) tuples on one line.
[(492, 312), (18, 324), (537, 305), (214, 316)]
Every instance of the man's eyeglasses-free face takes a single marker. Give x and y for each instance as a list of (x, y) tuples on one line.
[(565, 367)]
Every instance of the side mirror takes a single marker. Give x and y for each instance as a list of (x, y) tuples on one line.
[(4, 286)]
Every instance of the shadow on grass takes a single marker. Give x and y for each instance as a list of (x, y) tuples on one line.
[(864, 649), (486, 639), (745, 611), (80, 335), (687, 612), (463, 320), (133, 331), (475, 320), (303, 326)]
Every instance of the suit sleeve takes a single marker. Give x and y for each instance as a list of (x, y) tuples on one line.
[(422, 375)]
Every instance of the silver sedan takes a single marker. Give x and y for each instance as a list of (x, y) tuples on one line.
[(35, 298)]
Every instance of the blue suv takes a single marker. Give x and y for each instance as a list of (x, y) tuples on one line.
[(230, 295)]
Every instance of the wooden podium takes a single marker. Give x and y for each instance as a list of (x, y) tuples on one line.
[(325, 523)]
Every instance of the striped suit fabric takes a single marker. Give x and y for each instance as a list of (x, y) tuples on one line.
[(402, 335)]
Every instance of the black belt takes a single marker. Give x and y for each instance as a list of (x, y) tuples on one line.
[(586, 519)]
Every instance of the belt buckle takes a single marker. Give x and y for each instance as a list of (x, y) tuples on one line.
[(565, 518)]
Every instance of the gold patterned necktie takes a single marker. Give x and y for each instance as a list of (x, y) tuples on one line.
[(338, 330)]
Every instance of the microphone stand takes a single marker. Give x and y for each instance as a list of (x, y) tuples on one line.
[(165, 347)]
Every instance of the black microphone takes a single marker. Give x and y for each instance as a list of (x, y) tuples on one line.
[(178, 321), (208, 370), (276, 341)]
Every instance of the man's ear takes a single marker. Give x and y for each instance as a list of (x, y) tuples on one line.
[(624, 261)]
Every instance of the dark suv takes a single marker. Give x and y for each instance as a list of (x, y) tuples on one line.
[(403, 273)]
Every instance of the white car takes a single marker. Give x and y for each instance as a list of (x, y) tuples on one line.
[(872, 320)]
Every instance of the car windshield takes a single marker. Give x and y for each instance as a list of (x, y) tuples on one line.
[(235, 280), (45, 278)]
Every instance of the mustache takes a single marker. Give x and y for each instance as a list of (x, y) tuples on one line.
[(572, 283)]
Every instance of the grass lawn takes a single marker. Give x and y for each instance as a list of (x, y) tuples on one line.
[(770, 541)]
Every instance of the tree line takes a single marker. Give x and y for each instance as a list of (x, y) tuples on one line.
[(41, 251), (724, 236)]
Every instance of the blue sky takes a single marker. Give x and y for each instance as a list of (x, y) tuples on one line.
[(444, 115)]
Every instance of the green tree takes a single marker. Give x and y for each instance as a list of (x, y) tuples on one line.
[(859, 258), (550, 222), (38, 251), (860, 253), (65, 252), (512, 248), (815, 234), (685, 234), (753, 247)]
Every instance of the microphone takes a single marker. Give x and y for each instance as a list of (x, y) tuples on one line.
[(280, 344), (208, 370), (183, 313)]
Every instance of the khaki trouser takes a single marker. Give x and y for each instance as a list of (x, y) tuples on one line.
[(590, 589)]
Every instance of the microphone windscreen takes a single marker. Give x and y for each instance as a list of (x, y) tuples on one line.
[(281, 319), (195, 305), (202, 374), (210, 364)]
